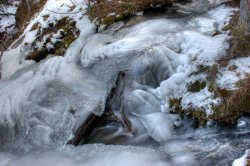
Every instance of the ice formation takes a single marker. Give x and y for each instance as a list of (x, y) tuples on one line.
[(43, 104), (157, 56)]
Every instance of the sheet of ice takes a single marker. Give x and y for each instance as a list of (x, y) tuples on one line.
[(42, 100), (200, 5), (160, 125), (203, 25), (87, 155), (37, 99)]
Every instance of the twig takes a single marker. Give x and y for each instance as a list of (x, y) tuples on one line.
[(28, 6), (66, 13), (5, 39)]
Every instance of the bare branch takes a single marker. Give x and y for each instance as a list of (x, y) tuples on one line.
[(66, 13)]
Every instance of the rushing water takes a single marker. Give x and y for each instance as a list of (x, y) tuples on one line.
[(124, 75)]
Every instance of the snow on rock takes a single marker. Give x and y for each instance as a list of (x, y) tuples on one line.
[(203, 99), (7, 16), (160, 125), (244, 160)]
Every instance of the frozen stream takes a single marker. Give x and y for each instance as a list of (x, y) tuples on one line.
[(126, 74)]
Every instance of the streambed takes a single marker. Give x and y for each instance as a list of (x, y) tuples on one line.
[(125, 74)]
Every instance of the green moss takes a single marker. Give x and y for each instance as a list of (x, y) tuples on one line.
[(100, 12), (68, 36), (107, 20), (42, 1), (120, 17), (68, 40), (63, 45), (3, 1), (111, 19), (91, 12)]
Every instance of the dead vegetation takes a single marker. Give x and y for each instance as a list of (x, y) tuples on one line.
[(240, 41), (107, 12), (235, 105), (25, 11)]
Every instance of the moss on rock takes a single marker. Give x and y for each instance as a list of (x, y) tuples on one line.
[(68, 32)]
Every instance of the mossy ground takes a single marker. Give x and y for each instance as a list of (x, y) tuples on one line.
[(3, 1), (107, 13)]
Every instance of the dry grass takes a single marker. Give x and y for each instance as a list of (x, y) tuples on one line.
[(240, 41), (101, 9), (235, 105)]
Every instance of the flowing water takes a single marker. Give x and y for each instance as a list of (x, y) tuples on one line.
[(124, 75)]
